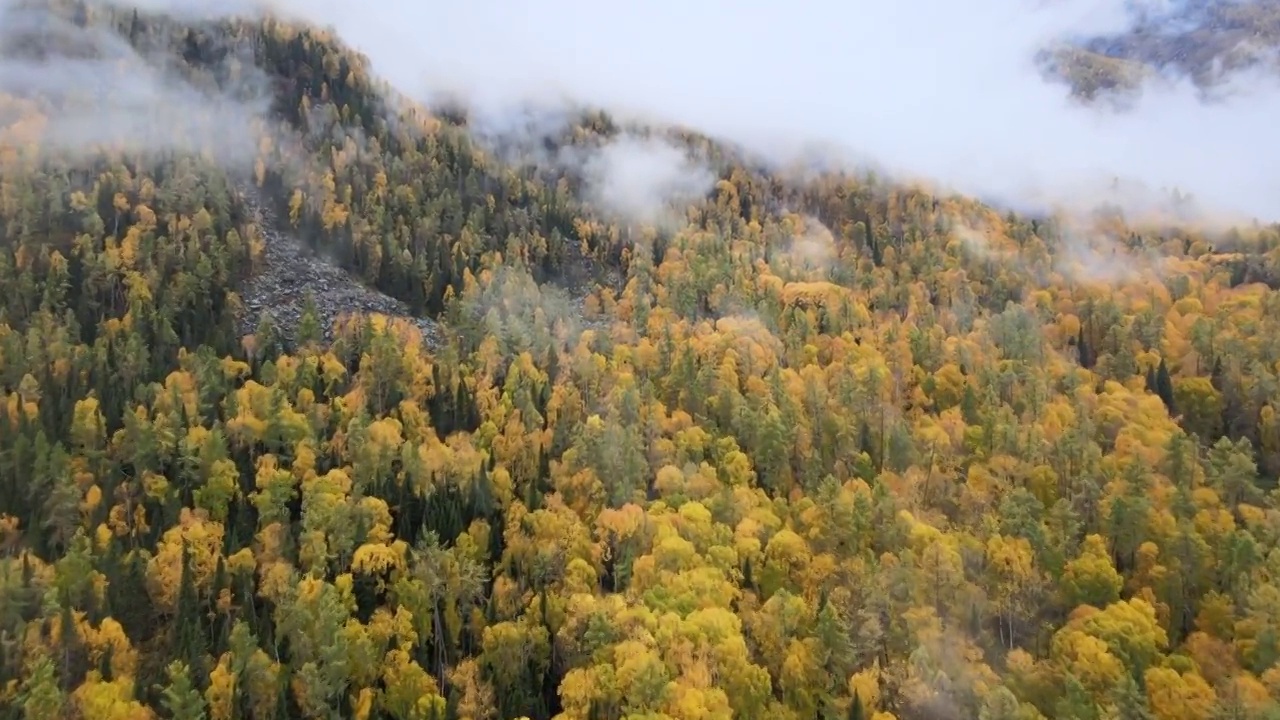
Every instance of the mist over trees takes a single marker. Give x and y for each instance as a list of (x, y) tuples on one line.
[(589, 419)]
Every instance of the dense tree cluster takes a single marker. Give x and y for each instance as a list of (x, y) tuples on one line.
[(832, 448)]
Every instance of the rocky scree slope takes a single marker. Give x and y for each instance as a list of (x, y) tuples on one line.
[(290, 270)]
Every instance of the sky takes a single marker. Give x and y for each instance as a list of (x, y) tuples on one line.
[(938, 90)]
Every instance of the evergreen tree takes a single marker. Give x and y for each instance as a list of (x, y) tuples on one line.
[(1084, 349), (1164, 387), (180, 696), (856, 710), (39, 695), (1128, 701), (309, 330), (189, 636), (1075, 703)]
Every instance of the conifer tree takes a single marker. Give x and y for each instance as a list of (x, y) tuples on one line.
[(179, 696)]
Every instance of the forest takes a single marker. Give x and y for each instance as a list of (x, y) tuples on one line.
[(827, 446)]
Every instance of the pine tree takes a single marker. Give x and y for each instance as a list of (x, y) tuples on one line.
[(481, 500), (75, 657), (968, 407), (1086, 352), (189, 637), (1075, 702), (856, 710), (104, 663), (1128, 701), (268, 338), (552, 365), (1164, 386), (39, 695), (1217, 376), (309, 331), (180, 696)]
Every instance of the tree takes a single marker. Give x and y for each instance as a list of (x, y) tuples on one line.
[(309, 330), (1091, 579), (180, 696), (1178, 697), (856, 711), (40, 696), (1164, 387)]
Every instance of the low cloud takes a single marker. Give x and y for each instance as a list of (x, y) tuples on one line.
[(646, 180), (813, 247), (633, 176), (95, 91), (1085, 249), (932, 89), (509, 307)]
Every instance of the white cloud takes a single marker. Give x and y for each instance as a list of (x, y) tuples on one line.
[(934, 89)]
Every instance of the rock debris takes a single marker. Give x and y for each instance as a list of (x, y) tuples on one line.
[(290, 270)]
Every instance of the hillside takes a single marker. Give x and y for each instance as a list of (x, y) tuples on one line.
[(316, 403)]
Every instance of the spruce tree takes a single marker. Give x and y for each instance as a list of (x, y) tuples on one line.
[(189, 637), (1085, 351), (180, 696), (856, 710), (309, 330), (1164, 386), (1128, 701)]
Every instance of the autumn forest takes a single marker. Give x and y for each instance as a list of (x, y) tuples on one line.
[(807, 445)]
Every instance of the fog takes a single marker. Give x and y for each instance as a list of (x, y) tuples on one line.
[(930, 89), (642, 179), (96, 91)]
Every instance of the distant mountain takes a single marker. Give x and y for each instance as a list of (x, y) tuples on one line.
[(1206, 41)]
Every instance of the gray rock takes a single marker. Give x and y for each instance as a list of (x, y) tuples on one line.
[(289, 270)]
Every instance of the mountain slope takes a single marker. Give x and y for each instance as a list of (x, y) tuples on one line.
[(591, 419)]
